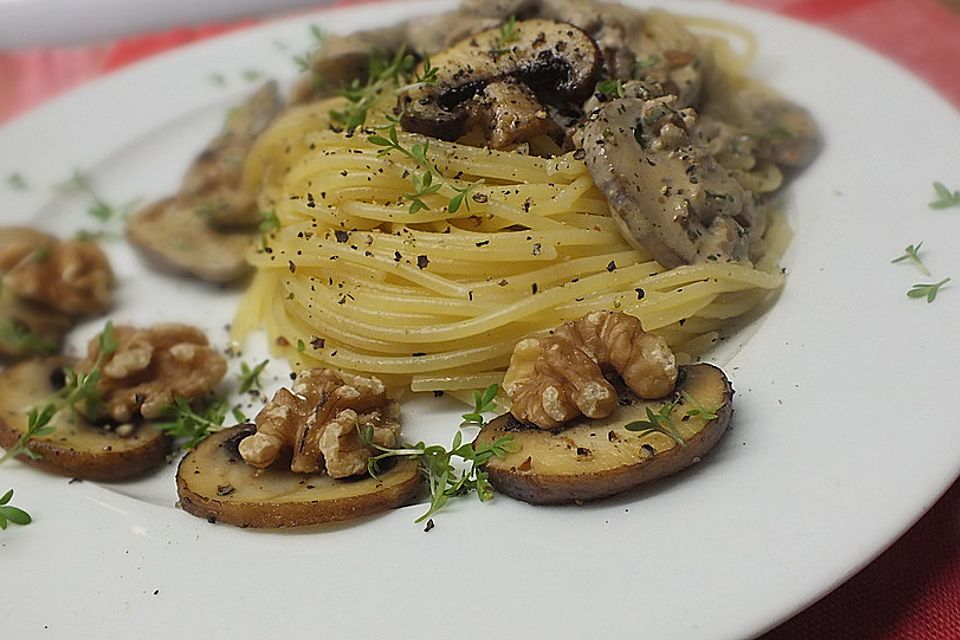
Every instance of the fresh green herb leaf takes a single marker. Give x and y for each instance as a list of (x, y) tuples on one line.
[(301, 346), (427, 73), (483, 402), (238, 415), (251, 75), (269, 221), (303, 60), (461, 199), (509, 34), (610, 88), (639, 64), (10, 513), (250, 377), (190, 426), (100, 209), (928, 291), (660, 422), (38, 424), (80, 389), (436, 464), (697, 410), (384, 73), (17, 182), (912, 253), (426, 182), (945, 198)]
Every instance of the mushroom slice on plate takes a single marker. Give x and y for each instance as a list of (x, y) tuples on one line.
[(75, 448), (176, 237), (557, 61), (598, 458), (213, 482), (668, 194)]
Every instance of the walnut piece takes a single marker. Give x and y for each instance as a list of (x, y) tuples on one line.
[(71, 276), (320, 421), (151, 367), (555, 379)]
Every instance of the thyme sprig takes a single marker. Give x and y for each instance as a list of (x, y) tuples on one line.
[(436, 464), (697, 410), (100, 208), (38, 424), (191, 426), (483, 402), (928, 291), (659, 422), (303, 60), (911, 253), (610, 88), (250, 376), (425, 182), (509, 34), (10, 513), (384, 72), (80, 388), (945, 197)]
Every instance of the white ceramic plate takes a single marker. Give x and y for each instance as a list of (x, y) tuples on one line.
[(845, 430)]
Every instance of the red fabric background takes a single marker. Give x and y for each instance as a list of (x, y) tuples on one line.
[(912, 591)]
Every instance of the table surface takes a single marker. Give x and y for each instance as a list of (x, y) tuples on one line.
[(912, 591)]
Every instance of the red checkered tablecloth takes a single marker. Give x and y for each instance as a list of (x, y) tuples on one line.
[(912, 591)]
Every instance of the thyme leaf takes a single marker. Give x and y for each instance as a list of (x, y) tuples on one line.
[(945, 198), (610, 88), (10, 513), (99, 209), (928, 291), (426, 182), (483, 402), (38, 424), (250, 377), (911, 253), (509, 34), (384, 73), (193, 426), (436, 464), (660, 422), (697, 410)]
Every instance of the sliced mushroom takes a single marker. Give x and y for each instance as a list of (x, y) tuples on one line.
[(75, 448), (598, 458), (557, 61), (205, 230), (343, 59), (508, 113), (611, 25), (177, 238), (214, 483), (667, 192), (213, 182)]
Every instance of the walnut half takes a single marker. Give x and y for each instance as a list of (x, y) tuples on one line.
[(151, 367), (320, 420), (555, 379), (71, 276)]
